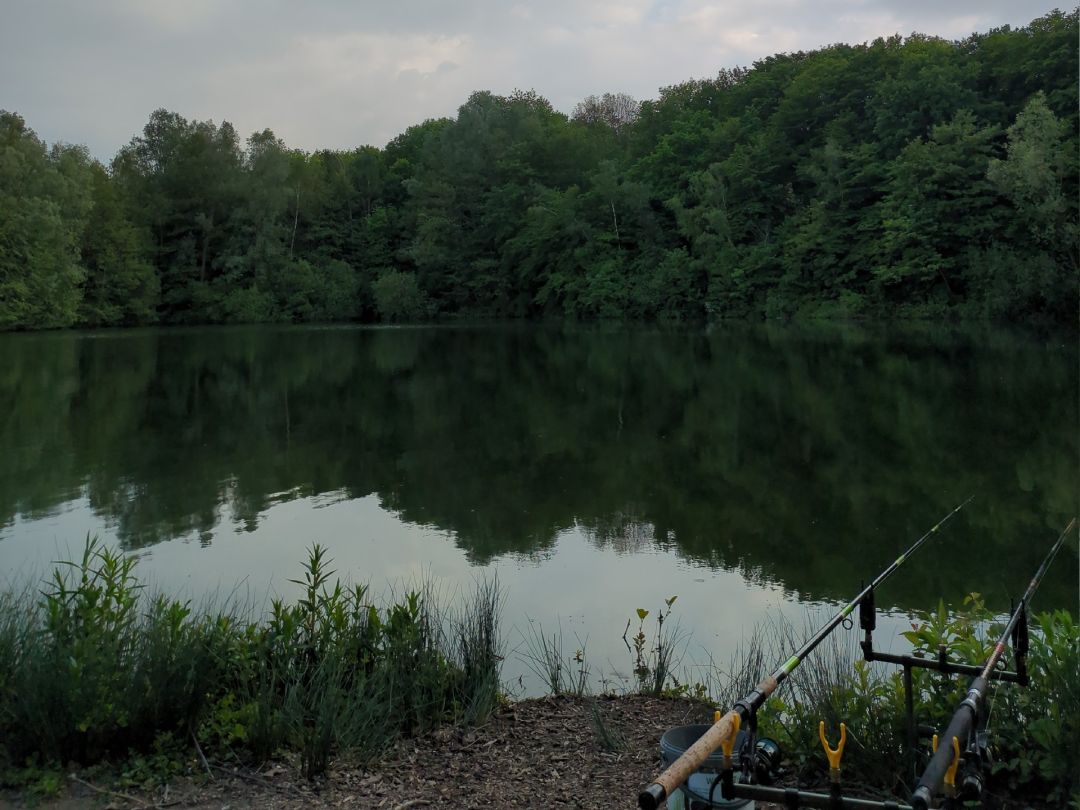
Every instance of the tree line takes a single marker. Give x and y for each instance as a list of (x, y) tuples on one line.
[(911, 177)]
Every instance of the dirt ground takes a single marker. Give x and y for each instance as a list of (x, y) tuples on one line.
[(551, 752)]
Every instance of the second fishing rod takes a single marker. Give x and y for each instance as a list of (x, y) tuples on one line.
[(960, 731), (656, 792)]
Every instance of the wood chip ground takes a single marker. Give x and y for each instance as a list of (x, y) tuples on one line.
[(549, 752), (552, 752)]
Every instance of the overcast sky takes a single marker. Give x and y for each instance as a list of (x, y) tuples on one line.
[(342, 73)]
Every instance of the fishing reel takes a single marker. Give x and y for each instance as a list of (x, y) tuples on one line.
[(978, 762), (758, 762), (763, 760), (759, 757)]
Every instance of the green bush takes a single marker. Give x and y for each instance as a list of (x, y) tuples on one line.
[(332, 671), (91, 674), (398, 298), (1038, 728), (94, 669)]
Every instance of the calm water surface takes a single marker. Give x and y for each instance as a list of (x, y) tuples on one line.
[(752, 470)]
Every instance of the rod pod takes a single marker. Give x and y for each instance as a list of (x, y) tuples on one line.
[(679, 771)]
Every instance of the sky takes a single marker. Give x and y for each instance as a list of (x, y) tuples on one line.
[(339, 74)]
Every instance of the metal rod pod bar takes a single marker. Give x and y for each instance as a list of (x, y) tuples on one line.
[(783, 796)]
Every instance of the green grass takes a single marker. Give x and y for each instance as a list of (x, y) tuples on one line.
[(93, 669)]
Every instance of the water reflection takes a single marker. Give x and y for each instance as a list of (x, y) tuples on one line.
[(793, 455)]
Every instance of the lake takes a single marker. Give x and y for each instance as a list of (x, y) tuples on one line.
[(754, 471)]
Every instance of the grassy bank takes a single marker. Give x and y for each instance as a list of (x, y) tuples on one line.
[(92, 670), (95, 670)]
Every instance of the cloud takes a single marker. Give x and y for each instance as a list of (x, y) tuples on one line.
[(169, 16), (339, 73)]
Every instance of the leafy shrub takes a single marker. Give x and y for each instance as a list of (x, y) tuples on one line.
[(962, 635), (93, 669), (1038, 727), (398, 298), (92, 674), (331, 671)]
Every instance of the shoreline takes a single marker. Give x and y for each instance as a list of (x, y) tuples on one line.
[(144, 691)]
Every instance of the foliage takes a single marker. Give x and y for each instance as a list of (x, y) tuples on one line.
[(961, 635), (1038, 727), (399, 298), (121, 287), (43, 206), (1036, 736), (870, 703), (832, 686), (96, 669), (913, 177), (92, 668)]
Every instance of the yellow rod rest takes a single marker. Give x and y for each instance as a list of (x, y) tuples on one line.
[(834, 755), (727, 745), (950, 775)]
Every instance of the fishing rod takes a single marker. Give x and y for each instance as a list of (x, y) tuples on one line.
[(942, 766), (724, 728)]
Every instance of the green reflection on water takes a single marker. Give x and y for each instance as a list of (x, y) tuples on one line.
[(801, 455)]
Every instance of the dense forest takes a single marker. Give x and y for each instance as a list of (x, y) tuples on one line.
[(912, 177)]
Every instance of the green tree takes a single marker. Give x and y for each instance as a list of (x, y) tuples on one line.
[(399, 298), (1032, 177), (120, 287), (44, 200), (183, 179), (861, 179), (938, 206), (1033, 268)]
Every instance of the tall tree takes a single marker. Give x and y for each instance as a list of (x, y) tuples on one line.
[(44, 201), (120, 287), (184, 179), (939, 205), (614, 110)]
